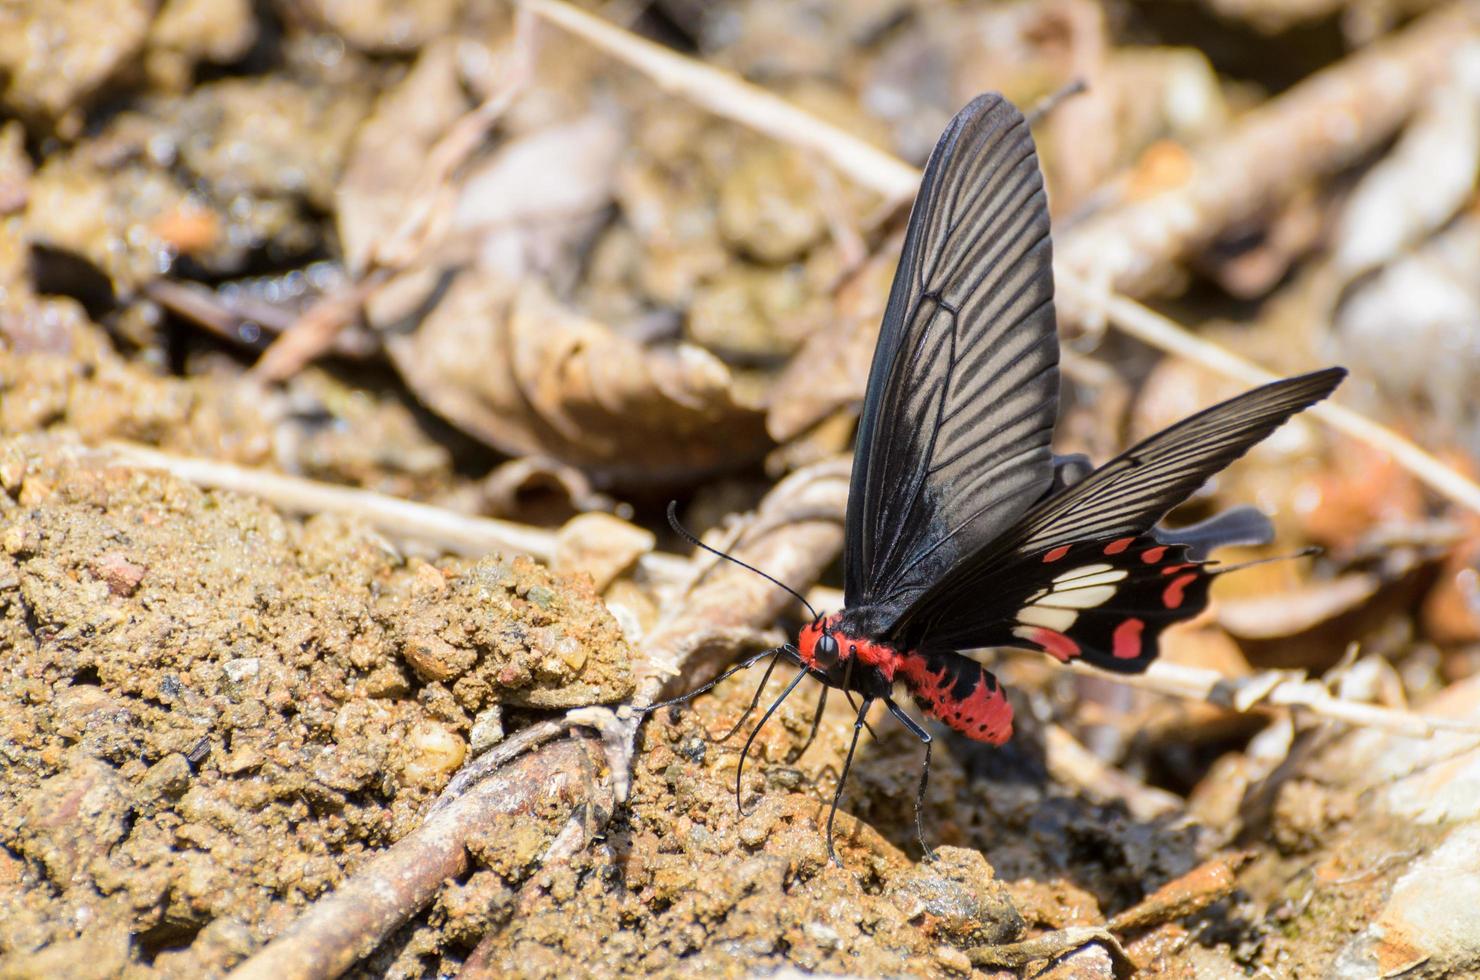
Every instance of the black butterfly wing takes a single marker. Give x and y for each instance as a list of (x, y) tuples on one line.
[(953, 440), (1104, 602), (1105, 519)]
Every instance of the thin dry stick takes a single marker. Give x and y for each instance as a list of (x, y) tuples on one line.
[(731, 97), (1278, 688), (1319, 126), (459, 534), (1152, 328), (348, 923), (456, 533), (1267, 689), (1166, 232)]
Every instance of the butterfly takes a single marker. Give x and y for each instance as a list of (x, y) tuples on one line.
[(964, 531)]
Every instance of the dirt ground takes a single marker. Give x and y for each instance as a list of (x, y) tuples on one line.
[(425, 312)]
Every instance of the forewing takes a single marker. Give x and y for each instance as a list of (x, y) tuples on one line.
[(975, 601), (1137, 488), (953, 440)]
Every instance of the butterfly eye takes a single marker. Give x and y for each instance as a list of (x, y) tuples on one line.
[(826, 650)]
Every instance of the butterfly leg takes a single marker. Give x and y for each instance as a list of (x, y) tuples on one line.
[(740, 769), (746, 664), (755, 699), (843, 779), (816, 723), (919, 732), (854, 705)]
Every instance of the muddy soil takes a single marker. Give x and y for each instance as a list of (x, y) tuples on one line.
[(213, 713)]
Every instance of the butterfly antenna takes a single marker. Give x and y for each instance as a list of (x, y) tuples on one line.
[(1217, 569), (693, 540)]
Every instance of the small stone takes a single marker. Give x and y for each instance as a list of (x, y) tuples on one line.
[(167, 778), (1429, 917), (121, 575), (488, 729), (953, 959), (822, 934), (600, 545), (433, 754), (433, 658), (20, 539), (960, 898), (756, 828), (1090, 962), (242, 670)]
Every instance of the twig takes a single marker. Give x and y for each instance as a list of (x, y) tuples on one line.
[(314, 333), (726, 95), (1324, 123), (455, 533), (1191, 893), (345, 925), (792, 535), (1264, 690), (1278, 688), (1072, 764), (348, 923), (1051, 946), (1369, 94)]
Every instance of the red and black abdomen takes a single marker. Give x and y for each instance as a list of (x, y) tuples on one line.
[(959, 693)]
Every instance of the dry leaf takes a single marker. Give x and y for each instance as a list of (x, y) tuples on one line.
[(529, 376), (600, 545), (831, 369), (1424, 181)]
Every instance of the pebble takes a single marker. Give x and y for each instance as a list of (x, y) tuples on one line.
[(1090, 962), (1430, 917), (488, 729)]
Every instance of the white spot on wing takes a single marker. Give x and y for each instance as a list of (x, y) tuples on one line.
[(1084, 570), (1098, 578), (1079, 598), (1054, 619)]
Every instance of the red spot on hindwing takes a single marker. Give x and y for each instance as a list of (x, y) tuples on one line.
[(1153, 555), (1055, 554), (1117, 546), (1125, 643), (1055, 644), (1176, 590)]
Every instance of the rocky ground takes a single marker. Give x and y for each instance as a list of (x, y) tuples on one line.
[(349, 355)]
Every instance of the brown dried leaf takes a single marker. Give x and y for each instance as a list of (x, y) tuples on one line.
[(518, 370), (1427, 178), (390, 151), (831, 370)]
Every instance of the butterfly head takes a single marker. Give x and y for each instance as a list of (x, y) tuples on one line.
[(842, 656), (818, 646)]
